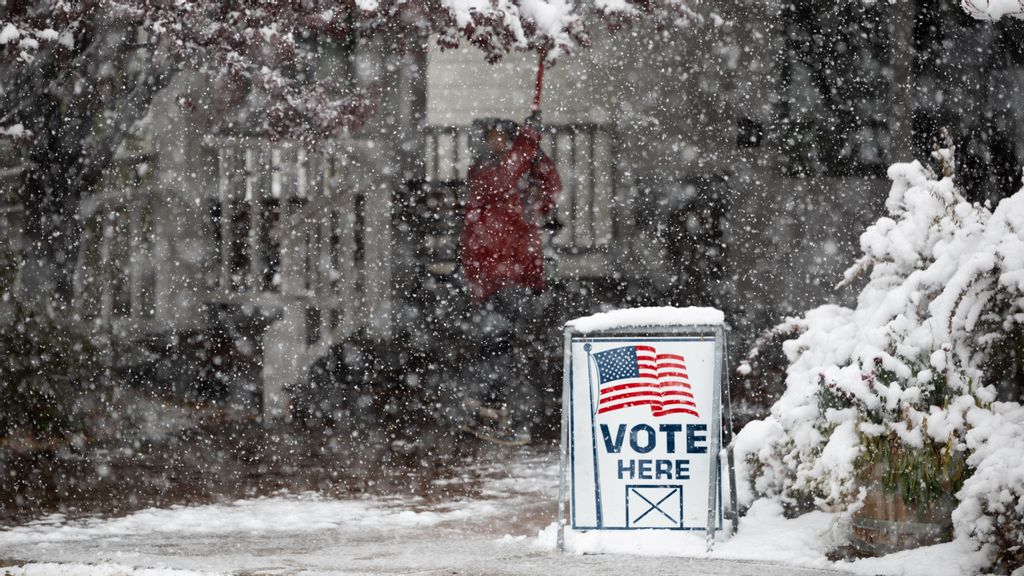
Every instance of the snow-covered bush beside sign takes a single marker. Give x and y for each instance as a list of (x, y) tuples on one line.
[(908, 377), (993, 9)]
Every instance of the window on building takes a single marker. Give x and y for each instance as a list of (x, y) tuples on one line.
[(834, 94), (312, 325), (89, 278), (118, 238)]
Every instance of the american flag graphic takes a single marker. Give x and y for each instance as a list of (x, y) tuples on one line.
[(639, 376)]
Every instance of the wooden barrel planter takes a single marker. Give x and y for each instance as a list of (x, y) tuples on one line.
[(887, 524)]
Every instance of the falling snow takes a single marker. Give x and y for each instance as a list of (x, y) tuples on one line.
[(284, 285)]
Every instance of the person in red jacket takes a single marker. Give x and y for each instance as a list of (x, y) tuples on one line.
[(513, 187)]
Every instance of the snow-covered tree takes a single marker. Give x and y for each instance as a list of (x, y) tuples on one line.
[(912, 376), (76, 77), (993, 9)]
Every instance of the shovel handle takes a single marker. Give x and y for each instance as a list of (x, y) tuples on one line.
[(540, 82)]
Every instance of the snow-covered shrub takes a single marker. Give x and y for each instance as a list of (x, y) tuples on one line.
[(47, 369), (906, 378), (47, 366), (992, 499)]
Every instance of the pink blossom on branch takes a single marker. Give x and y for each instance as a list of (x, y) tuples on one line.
[(267, 44)]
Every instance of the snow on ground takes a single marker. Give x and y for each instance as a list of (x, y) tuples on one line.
[(765, 535), (54, 569), (505, 528)]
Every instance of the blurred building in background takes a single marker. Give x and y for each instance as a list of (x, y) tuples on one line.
[(733, 164)]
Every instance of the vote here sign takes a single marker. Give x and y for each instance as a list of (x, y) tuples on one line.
[(642, 414)]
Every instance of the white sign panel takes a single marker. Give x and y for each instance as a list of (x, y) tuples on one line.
[(642, 413)]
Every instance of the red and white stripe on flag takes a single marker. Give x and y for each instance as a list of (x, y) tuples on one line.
[(663, 385)]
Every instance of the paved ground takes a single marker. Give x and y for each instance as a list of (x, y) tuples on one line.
[(217, 461), (479, 516)]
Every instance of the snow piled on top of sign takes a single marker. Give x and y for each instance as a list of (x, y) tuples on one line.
[(650, 316)]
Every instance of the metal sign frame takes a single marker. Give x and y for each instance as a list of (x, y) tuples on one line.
[(721, 436)]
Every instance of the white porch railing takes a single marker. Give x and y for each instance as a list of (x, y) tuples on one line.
[(594, 205), (304, 233)]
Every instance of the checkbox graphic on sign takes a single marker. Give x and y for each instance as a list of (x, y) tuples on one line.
[(654, 506)]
